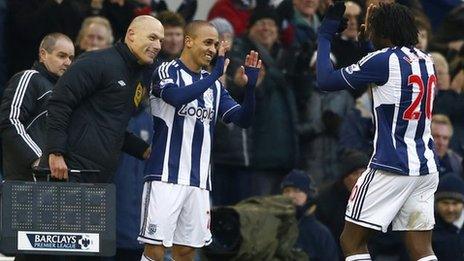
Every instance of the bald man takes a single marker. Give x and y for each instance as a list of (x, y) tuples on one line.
[(93, 101)]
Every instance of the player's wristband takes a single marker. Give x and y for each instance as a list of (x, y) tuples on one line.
[(218, 69), (252, 75)]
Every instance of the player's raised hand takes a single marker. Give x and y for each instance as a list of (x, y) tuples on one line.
[(335, 11), (221, 62), (224, 46), (364, 28), (226, 64), (248, 74), (333, 21)]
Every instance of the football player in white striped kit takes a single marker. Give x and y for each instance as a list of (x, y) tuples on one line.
[(399, 185), (186, 102)]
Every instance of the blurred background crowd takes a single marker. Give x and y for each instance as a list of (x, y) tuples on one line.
[(326, 136)]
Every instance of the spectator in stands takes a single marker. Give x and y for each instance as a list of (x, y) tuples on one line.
[(442, 131), (457, 84), (186, 9), (275, 117), (226, 33), (237, 12), (345, 46), (442, 71), (299, 24), (23, 107), (95, 34), (451, 103), (225, 29), (438, 10), (173, 36), (332, 199), (120, 13), (298, 38), (357, 128), (449, 39), (423, 26), (320, 133), (232, 145), (448, 235), (28, 21), (306, 15), (314, 237)]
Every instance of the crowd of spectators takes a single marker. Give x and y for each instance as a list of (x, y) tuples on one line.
[(328, 135)]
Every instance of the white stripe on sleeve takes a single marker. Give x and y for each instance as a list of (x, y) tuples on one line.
[(15, 111)]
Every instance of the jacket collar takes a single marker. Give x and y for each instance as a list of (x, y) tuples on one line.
[(40, 67), (127, 55)]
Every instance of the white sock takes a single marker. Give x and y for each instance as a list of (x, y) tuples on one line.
[(429, 258), (145, 258), (359, 257)]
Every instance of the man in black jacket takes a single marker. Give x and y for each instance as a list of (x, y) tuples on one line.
[(23, 109), (93, 102), (314, 238), (448, 235)]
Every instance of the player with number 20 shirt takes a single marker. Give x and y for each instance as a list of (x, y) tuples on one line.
[(399, 185)]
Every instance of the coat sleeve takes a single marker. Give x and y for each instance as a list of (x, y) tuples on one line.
[(79, 82), (21, 99), (134, 146)]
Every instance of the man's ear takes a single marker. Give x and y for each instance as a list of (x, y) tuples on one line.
[(130, 35), (42, 54), (188, 41)]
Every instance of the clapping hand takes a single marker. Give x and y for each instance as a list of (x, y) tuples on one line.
[(364, 28), (248, 74)]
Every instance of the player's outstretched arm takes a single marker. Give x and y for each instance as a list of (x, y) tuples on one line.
[(329, 79), (242, 115), (172, 94)]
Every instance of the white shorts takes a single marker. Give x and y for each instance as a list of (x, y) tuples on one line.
[(175, 214), (380, 198)]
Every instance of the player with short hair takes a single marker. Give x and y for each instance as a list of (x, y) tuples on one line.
[(399, 185), (186, 102)]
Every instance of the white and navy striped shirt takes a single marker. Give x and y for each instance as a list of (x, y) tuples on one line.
[(181, 148), (403, 95)]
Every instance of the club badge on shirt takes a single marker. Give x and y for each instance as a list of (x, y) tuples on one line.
[(138, 96)]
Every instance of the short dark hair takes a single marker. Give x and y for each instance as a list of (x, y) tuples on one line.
[(168, 18), (192, 27), (49, 41), (394, 22)]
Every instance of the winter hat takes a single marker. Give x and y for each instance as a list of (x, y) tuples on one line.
[(298, 179), (352, 160), (451, 186), (222, 25), (262, 13)]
